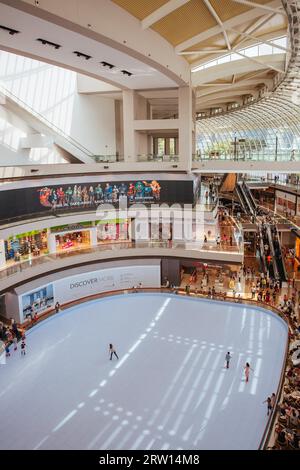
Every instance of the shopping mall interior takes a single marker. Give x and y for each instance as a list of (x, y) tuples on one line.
[(150, 225)]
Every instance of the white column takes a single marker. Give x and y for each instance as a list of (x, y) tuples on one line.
[(186, 125), (2, 254), (128, 126), (51, 242), (93, 235)]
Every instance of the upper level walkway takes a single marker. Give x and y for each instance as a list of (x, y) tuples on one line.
[(42, 265)]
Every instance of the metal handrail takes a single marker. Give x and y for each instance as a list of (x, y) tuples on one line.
[(264, 155), (271, 245)]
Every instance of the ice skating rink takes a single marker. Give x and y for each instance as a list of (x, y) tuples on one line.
[(169, 389)]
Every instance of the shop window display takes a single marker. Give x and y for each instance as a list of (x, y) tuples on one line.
[(37, 302), (26, 245), (73, 240), (112, 231)]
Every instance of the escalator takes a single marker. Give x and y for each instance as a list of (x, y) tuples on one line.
[(250, 197), (278, 254), (273, 268), (242, 199), (246, 201), (263, 262)]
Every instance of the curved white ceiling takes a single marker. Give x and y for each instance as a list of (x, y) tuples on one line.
[(32, 24)]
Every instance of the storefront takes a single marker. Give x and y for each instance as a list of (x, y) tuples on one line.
[(286, 203), (21, 247), (114, 230), (71, 237)]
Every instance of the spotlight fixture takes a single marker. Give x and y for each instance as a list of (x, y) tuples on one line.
[(124, 72), (9, 30), (106, 64), (48, 43), (34, 171), (81, 54), (174, 166), (106, 167)]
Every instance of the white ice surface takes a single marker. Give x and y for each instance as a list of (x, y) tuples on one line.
[(169, 389)]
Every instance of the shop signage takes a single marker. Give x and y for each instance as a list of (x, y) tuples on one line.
[(27, 234), (82, 285), (71, 227), (111, 221)]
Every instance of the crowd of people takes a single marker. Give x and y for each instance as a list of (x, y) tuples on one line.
[(11, 335)]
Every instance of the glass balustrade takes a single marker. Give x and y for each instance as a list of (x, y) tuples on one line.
[(197, 246)]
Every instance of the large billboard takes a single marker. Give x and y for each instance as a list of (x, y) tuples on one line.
[(22, 202)]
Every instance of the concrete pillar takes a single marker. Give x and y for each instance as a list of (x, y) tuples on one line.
[(51, 242), (119, 130), (2, 254), (93, 236), (128, 126), (186, 126)]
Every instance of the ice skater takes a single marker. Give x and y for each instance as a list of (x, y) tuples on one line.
[(227, 359), (247, 369), (112, 351), (273, 400), (7, 351), (269, 405), (23, 348)]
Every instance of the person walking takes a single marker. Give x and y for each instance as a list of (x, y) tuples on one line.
[(57, 307), (227, 358), (112, 351), (269, 405), (247, 369)]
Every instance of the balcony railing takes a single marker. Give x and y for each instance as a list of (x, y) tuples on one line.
[(210, 246), (249, 155)]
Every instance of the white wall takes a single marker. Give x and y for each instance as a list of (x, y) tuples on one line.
[(93, 123), (52, 92), (89, 283)]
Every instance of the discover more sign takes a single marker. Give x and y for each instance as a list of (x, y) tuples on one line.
[(84, 285)]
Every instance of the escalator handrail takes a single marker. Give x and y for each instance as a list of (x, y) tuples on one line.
[(262, 249), (271, 245), (280, 259), (252, 211), (241, 198), (250, 196)]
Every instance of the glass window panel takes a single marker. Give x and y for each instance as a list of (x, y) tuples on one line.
[(224, 59), (235, 57), (252, 51), (172, 146), (160, 146), (265, 49)]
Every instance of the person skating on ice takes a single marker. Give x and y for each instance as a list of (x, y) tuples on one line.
[(227, 359), (247, 369), (269, 404), (23, 347), (112, 351)]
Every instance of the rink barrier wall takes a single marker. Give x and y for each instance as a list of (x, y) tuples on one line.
[(218, 298)]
